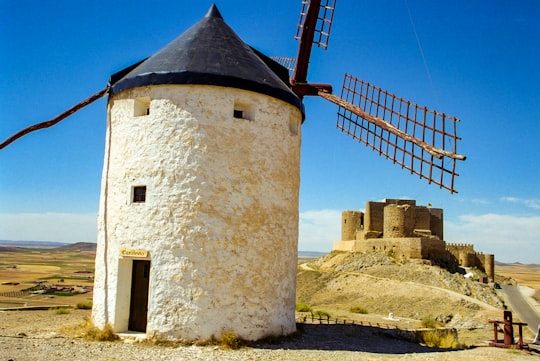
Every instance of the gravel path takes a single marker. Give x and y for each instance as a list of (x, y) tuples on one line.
[(36, 336)]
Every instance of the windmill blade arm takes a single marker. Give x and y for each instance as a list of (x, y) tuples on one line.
[(306, 40), (434, 151), (420, 140), (55, 120)]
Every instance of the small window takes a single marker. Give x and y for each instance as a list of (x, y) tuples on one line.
[(243, 110), (139, 194), (238, 113), (141, 107)]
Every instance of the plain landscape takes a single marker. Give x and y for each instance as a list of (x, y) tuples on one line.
[(376, 301)]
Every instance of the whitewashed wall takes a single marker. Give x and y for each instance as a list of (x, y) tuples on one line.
[(220, 221)]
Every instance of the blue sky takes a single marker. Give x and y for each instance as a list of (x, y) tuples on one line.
[(482, 66)]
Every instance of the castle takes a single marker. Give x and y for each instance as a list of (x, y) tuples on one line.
[(408, 231)]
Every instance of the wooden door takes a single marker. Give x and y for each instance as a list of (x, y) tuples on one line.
[(138, 309)]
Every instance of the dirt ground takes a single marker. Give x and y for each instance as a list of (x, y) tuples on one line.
[(39, 336)]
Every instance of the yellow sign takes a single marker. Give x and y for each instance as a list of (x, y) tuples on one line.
[(134, 253)]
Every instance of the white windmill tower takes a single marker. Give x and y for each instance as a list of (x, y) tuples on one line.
[(198, 220)]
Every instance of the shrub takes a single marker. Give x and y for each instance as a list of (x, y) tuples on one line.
[(230, 340), (442, 338), (302, 307), (89, 331), (61, 311), (97, 334), (84, 305), (358, 309), (322, 314), (429, 322)]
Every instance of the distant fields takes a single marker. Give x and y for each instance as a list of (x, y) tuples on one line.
[(525, 275), (23, 268)]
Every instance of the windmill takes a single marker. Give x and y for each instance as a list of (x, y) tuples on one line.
[(198, 225), (420, 140)]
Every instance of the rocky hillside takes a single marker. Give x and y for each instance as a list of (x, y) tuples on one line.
[(413, 290)]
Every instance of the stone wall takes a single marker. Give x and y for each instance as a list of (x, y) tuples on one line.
[(466, 256)]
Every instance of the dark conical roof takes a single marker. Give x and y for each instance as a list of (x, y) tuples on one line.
[(209, 53)]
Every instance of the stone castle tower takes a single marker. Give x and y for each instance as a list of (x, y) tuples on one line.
[(406, 230), (198, 219)]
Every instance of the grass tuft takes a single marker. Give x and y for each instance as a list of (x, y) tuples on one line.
[(359, 309), (429, 322), (88, 331), (303, 307), (84, 305), (230, 340), (322, 314), (61, 311), (442, 338)]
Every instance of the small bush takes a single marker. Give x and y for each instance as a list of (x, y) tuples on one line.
[(302, 307), (203, 342), (89, 331), (322, 314), (61, 311), (230, 340), (429, 322), (84, 305), (443, 338), (359, 309), (105, 334)]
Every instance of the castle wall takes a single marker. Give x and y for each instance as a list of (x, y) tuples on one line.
[(466, 256), (220, 220), (374, 217), (398, 221), (405, 247), (407, 230), (351, 223), (422, 218), (436, 222)]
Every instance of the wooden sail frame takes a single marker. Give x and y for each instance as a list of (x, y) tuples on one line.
[(419, 139)]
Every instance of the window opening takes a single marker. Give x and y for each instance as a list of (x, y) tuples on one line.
[(141, 107), (243, 110), (139, 194)]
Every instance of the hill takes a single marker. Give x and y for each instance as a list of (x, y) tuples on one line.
[(31, 244), (79, 246), (412, 291)]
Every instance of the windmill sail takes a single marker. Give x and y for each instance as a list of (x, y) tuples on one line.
[(323, 22), (287, 62), (313, 28), (55, 120), (421, 140)]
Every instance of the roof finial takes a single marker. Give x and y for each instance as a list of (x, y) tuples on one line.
[(213, 12)]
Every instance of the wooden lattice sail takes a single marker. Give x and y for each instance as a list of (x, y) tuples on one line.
[(420, 140)]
